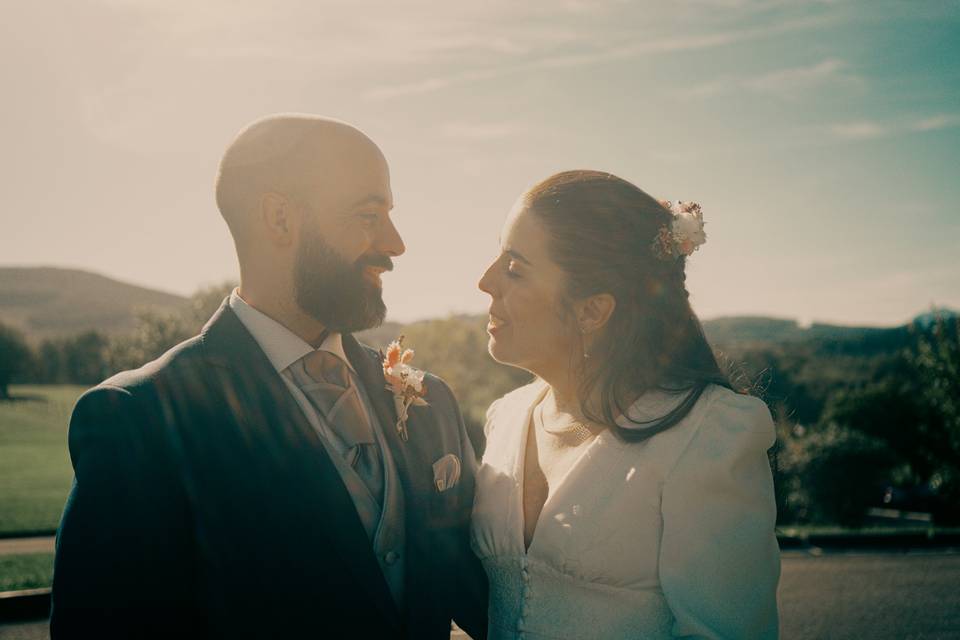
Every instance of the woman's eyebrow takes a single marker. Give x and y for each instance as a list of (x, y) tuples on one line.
[(517, 256)]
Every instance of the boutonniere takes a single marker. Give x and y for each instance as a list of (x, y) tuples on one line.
[(403, 381)]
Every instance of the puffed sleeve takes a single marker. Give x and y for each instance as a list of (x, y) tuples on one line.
[(719, 558), (491, 412)]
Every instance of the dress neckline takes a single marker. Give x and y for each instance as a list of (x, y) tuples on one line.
[(552, 492)]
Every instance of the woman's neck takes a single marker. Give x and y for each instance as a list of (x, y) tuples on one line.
[(562, 403)]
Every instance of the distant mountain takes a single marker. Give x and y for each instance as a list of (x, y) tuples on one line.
[(734, 332), (46, 301), (749, 331)]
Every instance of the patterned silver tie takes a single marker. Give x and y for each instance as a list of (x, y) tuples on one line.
[(327, 382)]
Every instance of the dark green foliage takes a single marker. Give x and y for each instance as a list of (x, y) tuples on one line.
[(852, 425), (842, 473), (91, 356), (15, 357), (156, 332), (79, 359)]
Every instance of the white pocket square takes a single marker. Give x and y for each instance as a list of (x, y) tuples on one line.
[(446, 472)]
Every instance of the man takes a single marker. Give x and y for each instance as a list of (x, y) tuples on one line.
[(252, 481)]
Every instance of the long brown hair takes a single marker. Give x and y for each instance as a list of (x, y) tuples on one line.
[(601, 230)]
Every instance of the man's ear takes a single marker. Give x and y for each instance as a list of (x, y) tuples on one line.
[(278, 218), (594, 312)]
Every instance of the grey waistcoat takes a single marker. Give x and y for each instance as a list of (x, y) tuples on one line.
[(385, 528)]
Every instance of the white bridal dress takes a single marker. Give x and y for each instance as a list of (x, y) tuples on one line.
[(670, 537)]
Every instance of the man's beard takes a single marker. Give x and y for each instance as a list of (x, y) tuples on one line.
[(335, 292)]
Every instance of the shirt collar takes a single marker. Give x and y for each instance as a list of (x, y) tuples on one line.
[(281, 346)]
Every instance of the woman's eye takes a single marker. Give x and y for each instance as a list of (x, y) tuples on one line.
[(512, 269)]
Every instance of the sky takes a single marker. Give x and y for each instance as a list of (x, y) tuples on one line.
[(821, 137)]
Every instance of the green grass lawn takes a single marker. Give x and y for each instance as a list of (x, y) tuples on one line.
[(27, 571), (35, 472)]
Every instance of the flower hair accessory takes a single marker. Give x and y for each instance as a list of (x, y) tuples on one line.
[(685, 233), (405, 382)]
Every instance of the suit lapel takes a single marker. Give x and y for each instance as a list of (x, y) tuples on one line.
[(264, 395), (413, 455)]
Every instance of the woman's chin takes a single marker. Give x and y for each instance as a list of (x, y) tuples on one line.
[(495, 349), (501, 352)]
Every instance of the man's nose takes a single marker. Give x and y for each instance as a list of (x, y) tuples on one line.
[(389, 241)]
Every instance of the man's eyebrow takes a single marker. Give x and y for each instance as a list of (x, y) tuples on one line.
[(369, 200), (517, 256)]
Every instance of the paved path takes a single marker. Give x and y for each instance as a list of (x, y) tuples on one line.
[(846, 595), (16, 546), (903, 596)]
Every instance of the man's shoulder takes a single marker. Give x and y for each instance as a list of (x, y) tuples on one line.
[(171, 382), (186, 357)]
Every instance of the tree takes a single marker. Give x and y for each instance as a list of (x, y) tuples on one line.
[(50, 367), (157, 332), (85, 357), (843, 472), (912, 412), (936, 364), (15, 357)]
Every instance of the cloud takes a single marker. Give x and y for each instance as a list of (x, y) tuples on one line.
[(933, 123), (786, 80), (784, 83), (860, 130), (871, 129), (624, 49)]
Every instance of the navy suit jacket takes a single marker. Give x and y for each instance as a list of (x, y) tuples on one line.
[(204, 504)]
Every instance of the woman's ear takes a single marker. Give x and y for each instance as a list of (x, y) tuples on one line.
[(594, 312)]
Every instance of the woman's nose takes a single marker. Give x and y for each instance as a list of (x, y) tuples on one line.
[(486, 283)]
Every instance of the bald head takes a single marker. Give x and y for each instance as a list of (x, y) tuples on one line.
[(308, 202), (315, 162)]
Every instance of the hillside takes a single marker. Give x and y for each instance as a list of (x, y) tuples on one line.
[(757, 332), (46, 301)]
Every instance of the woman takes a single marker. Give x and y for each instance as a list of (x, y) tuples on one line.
[(626, 493)]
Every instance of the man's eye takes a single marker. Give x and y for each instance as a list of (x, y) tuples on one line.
[(368, 218), (512, 269)]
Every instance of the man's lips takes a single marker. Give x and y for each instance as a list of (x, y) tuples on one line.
[(374, 270), (372, 274), (380, 263)]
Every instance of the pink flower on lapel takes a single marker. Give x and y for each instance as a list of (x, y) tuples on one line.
[(403, 381)]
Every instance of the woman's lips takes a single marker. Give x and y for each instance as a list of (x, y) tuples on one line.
[(495, 324)]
